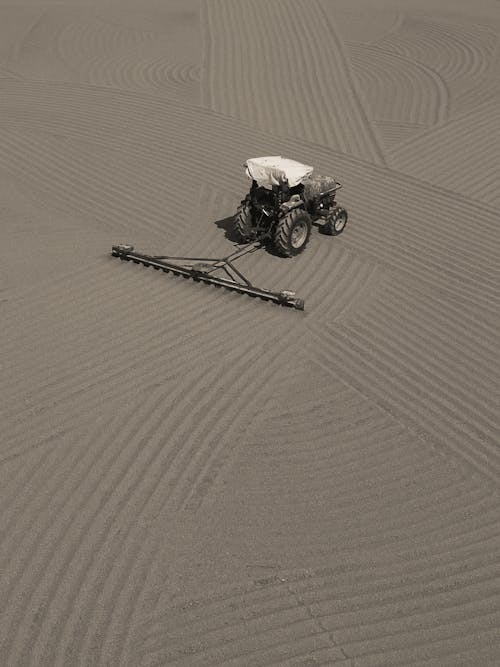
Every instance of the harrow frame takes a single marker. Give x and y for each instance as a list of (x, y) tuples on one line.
[(204, 269)]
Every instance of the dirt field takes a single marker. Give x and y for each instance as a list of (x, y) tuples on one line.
[(190, 477)]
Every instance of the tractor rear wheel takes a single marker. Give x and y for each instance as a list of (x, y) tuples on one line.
[(336, 221), (242, 224), (292, 233)]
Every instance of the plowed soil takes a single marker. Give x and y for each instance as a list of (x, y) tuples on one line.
[(190, 477)]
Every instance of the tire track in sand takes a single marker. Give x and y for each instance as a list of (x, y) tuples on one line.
[(241, 82), (460, 52), (399, 90)]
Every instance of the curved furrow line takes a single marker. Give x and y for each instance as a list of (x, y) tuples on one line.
[(112, 375), (105, 192), (395, 132), (102, 354), (463, 656), (37, 53), (283, 345), (263, 638), (96, 353), (456, 51), (117, 588), (467, 353), (27, 555), (156, 103), (478, 427), (366, 520), (67, 195), (472, 598), (207, 57), (79, 42), (468, 293), (211, 455), (294, 119), (301, 587), (356, 585), (30, 294), (388, 389), (483, 88), (353, 630), (314, 88), (356, 120), (375, 516), (183, 72), (416, 248), (424, 367), (440, 639), (141, 70), (133, 150), (358, 284), (398, 89), (207, 635), (23, 478), (427, 222), (5, 73), (410, 220), (391, 538), (144, 420), (117, 287), (366, 26), (93, 132), (364, 469), (299, 638), (477, 335), (430, 271), (405, 216), (365, 129), (245, 401), (475, 341), (453, 209), (375, 587), (111, 55), (49, 582)]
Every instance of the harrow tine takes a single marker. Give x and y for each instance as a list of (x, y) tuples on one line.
[(283, 298)]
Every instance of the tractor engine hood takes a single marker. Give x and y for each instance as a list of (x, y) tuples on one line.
[(275, 170)]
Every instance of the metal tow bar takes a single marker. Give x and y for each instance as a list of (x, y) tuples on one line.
[(202, 269)]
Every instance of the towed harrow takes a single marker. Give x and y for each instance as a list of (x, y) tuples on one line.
[(220, 272)]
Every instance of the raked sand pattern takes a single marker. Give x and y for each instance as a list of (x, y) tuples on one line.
[(190, 477)]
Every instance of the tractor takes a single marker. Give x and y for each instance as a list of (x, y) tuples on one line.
[(284, 201)]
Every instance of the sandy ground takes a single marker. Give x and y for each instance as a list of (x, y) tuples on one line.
[(190, 477)]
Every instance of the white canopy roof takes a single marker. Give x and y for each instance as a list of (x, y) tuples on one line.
[(273, 170)]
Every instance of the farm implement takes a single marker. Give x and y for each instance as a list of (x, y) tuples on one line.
[(284, 201), (219, 272)]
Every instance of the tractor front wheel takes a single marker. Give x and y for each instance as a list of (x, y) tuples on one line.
[(336, 221), (292, 233), (242, 224)]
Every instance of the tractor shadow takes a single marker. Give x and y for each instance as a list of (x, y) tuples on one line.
[(226, 224)]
